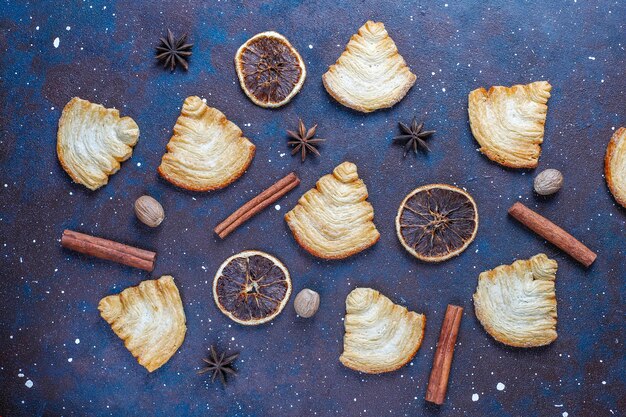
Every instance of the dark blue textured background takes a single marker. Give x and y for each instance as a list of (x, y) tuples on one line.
[(51, 333)]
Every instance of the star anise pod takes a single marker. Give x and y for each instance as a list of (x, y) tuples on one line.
[(413, 136), (174, 51), (220, 365), (303, 140)]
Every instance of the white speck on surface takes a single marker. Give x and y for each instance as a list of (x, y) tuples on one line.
[(500, 386), (67, 28), (138, 164), (593, 58), (29, 384), (70, 359), (603, 382), (277, 206), (443, 89), (475, 397), (77, 341), (565, 414), (20, 375), (310, 46), (56, 42)]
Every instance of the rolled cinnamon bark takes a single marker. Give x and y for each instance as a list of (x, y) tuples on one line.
[(553, 234), (109, 250), (440, 373), (257, 204)]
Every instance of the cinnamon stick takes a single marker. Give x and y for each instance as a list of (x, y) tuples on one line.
[(440, 373), (108, 249), (257, 204), (553, 234)]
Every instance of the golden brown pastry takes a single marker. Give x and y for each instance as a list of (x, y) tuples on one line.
[(615, 165), (508, 122), (516, 303), (207, 150), (149, 318), (334, 220), (370, 74), (380, 336), (92, 141)]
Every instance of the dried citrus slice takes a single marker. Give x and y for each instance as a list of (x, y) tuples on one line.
[(251, 287), (270, 70), (436, 222)]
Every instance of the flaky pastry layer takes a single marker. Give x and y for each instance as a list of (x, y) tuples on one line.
[(516, 304), (149, 318), (370, 74), (380, 336), (615, 166), (92, 141), (334, 220), (207, 150), (508, 122)]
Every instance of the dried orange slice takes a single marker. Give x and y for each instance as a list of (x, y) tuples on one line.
[(270, 70), (436, 222), (251, 287)]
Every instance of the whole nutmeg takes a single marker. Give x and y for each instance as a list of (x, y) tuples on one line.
[(149, 211), (548, 182), (306, 303)]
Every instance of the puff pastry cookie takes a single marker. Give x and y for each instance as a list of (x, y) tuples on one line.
[(615, 166), (207, 150), (92, 141), (508, 122), (149, 318), (334, 220), (516, 304), (370, 74), (380, 336)]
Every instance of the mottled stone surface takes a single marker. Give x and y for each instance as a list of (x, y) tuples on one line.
[(58, 357)]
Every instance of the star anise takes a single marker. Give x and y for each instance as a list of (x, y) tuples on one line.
[(413, 136), (303, 140), (220, 365), (174, 51)]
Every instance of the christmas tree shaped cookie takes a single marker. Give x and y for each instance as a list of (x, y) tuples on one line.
[(516, 304), (207, 150), (508, 122), (380, 336), (92, 141), (334, 220), (370, 74), (149, 318)]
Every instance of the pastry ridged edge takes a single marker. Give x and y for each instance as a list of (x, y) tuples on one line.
[(618, 138)]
